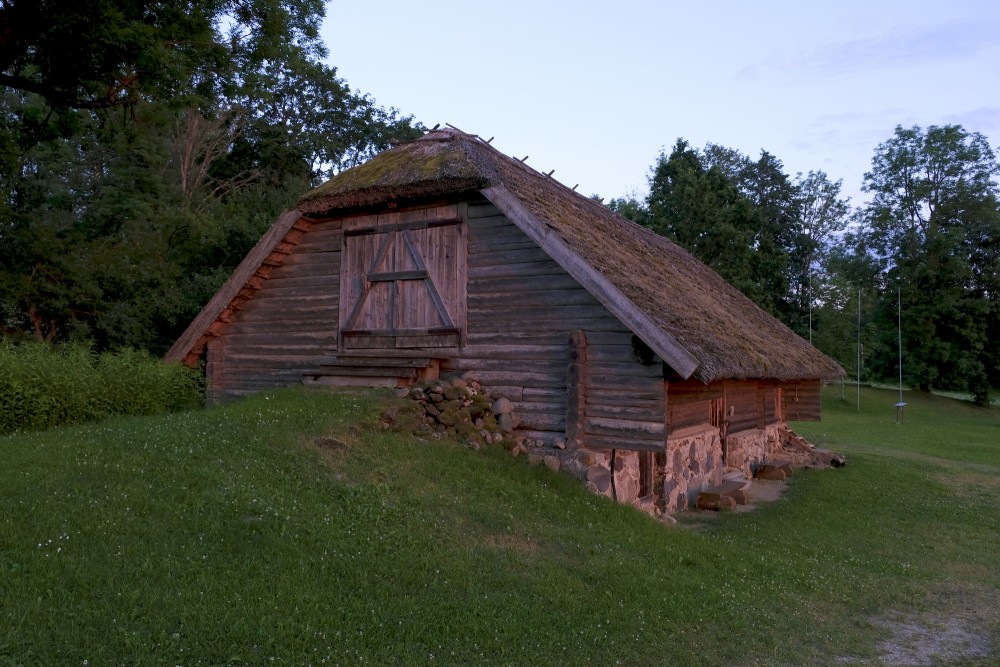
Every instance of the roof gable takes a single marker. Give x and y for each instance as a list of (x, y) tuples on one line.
[(692, 318)]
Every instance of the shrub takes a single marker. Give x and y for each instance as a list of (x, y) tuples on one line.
[(42, 386)]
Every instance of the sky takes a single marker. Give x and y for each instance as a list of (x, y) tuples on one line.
[(597, 90)]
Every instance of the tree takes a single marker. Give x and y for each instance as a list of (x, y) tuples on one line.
[(696, 200), (822, 214), (135, 179), (932, 228)]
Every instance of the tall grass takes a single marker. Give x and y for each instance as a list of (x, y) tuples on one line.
[(42, 386)]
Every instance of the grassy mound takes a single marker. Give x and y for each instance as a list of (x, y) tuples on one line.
[(291, 529)]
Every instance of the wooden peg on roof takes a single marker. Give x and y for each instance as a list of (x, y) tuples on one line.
[(549, 175), (575, 186), (489, 140), (524, 159), (435, 127)]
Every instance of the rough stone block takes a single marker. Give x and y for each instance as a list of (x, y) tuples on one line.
[(715, 502)]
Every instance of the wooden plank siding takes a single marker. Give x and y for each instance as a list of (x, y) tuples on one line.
[(522, 308), (519, 309), (289, 326), (800, 400)]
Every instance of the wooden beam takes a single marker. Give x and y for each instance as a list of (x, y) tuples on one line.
[(576, 387), (396, 275), (664, 344)]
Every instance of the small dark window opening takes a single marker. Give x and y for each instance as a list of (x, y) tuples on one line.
[(647, 473), (642, 352)]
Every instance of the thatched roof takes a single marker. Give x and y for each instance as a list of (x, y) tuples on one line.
[(681, 307)]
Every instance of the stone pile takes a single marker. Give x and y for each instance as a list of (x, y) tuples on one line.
[(456, 408)]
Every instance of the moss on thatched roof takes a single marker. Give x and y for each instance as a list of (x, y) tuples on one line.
[(728, 334)]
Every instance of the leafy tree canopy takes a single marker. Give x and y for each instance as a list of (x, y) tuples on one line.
[(145, 146)]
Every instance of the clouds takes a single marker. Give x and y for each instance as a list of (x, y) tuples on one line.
[(903, 47)]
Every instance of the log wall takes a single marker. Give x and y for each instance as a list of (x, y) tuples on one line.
[(522, 307), (289, 325), (800, 400)]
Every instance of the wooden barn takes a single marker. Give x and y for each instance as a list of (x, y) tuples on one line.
[(635, 364)]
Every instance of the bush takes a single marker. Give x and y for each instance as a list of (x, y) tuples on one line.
[(42, 386)]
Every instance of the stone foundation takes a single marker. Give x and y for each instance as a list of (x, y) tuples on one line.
[(694, 462), (748, 449)]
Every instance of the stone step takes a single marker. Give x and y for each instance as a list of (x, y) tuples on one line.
[(737, 490), (774, 470)]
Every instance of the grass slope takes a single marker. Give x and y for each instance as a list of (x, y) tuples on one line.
[(284, 530)]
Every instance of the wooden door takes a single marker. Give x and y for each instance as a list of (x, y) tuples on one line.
[(403, 285)]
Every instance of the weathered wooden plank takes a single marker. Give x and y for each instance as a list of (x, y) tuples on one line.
[(628, 411), (511, 326), (629, 385), (259, 371), (544, 268), (533, 394), (489, 228), (320, 339), (631, 369), (522, 379), (345, 360), (603, 442), (505, 244), (505, 257), (522, 408), (476, 225), (279, 355), (552, 299), (479, 211), (310, 259), (296, 285), (273, 358), (522, 284), (543, 422), (517, 337), (619, 336), (326, 226), (300, 299), (350, 381), (280, 326), (651, 401), (321, 241), (516, 352), (556, 368), (624, 428), (530, 314), (329, 268), (366, 371), (411, 226), (300, 314)]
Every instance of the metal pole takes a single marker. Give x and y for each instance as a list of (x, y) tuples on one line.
[(899, 335), (859, 351), (810, 307), (899, 338)]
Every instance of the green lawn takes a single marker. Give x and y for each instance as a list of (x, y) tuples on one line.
[(288, 529)]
